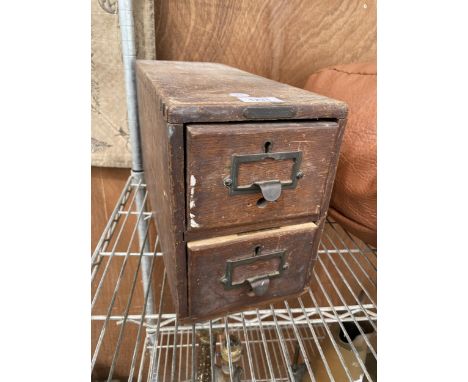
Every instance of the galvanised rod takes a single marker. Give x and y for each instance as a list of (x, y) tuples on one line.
[(151, 362), (371, 249), (142, 360), (111, 305), (278, 360), (351, 314), (308, 342), (301, 345), (120, 254), (112, 220), (144, 213), (352, 255), (355, 277), (107, 267), (228, 344), (127, 35), (181, 348), (174, 351), (260, 343), (166, 354), (242, 359), (127, 32), (94, 271), (142, 225), (358, 247), (167, 318), (156, 377), (287, 339), (351, 291), (187, 370), (284, 350), (194, 353), (364, 252), (127, 310), (156, 338), (212, 354), (247, 346), (332, 222), (137, 342), (296, 351), (265, 346), (317, 343), (345, 332), (341, 251), (330, 335)]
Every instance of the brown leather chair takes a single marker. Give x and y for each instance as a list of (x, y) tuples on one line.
[(354, 200)]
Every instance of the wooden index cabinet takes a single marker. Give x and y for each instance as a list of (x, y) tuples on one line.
[(239, 171)]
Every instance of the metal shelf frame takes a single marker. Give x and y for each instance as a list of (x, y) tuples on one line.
[(295, 340)]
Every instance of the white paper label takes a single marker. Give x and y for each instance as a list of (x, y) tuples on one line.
[(246, 98), (238, 95), (260, 99)]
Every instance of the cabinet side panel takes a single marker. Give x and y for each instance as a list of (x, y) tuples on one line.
[(163, 163), (332, 167), (327, 195)]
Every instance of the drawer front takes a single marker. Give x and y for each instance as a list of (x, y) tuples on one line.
[(240, 174), (233, 272)]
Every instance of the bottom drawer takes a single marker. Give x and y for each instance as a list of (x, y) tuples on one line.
[(233, 272)]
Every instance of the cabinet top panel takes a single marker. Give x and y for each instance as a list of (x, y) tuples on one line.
[(210, 92)]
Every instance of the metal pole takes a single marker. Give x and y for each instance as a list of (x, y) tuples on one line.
[(129, 57)]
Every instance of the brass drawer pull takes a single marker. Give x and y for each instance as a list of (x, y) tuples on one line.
[(260, 286), (259, 283), (270, 189)]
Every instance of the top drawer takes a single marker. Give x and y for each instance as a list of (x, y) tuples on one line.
[(243, 173)]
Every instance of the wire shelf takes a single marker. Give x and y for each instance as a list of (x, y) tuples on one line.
[(327, 334)]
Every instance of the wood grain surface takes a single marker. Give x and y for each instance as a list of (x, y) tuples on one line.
[(163, 153), (209, 160), (210, 92), (106, 186), (285, 40)]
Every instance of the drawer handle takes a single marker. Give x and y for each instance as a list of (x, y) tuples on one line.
[(259, 284), (270, 189), (259, 287)]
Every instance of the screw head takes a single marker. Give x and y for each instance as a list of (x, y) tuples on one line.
[(227, 182), (299, 174)]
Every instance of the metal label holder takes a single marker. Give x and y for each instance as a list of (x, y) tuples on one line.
[(261, 185), (232, 264)]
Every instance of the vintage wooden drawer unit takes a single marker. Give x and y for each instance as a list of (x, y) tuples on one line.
[(239, 171)]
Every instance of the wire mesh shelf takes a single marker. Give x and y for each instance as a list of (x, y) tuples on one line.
[(327, 334)]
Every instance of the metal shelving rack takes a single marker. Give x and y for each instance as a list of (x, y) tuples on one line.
[(297, 340), (327, 334)]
